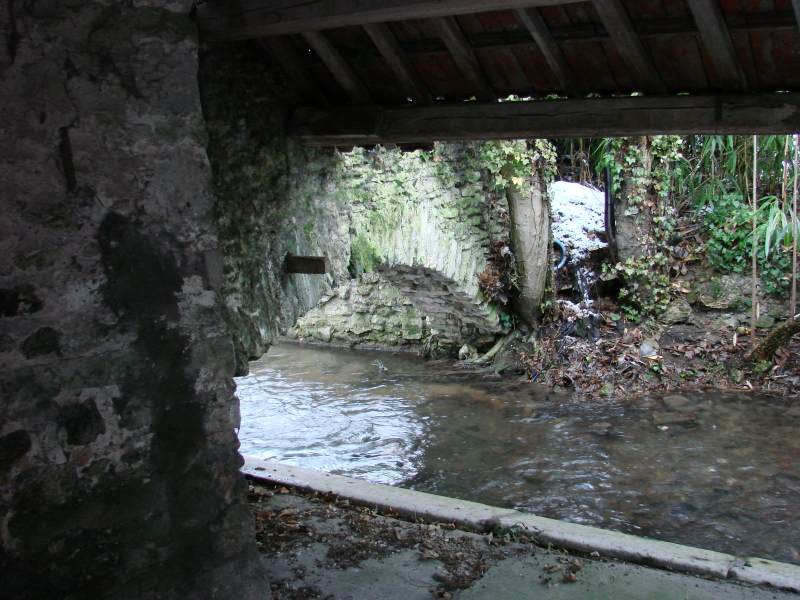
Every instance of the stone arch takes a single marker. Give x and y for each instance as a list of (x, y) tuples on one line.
[(451, 309), (427, 224)]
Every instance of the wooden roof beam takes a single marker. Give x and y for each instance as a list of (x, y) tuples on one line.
[(398, 62), (536, 25), (776, 113), (634, 54), (285, 54), (246, 19), (465, 58), (345, 75), (656, 30), (717, 41)]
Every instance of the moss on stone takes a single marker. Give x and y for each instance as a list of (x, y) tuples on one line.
[(364, 256)]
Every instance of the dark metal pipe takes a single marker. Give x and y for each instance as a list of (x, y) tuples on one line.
[(561, 247), (610, 219)]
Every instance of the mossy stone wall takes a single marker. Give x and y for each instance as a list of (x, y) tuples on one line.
[(424, 222), (272, 197)]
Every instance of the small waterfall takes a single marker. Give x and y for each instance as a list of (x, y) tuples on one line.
[(578, 312), (584, 279)]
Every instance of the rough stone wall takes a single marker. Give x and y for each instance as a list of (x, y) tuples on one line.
[(425, 223), (367, 312), (272, 197), (118, 457)]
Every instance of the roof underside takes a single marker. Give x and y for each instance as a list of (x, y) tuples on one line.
[(417, 70)]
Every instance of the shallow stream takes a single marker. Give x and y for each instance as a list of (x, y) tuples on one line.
[(715, 470)]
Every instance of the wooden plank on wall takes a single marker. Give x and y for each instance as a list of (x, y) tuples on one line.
[(343, 73), (398, 62), (777, 113), (536, 25), (717, 41), (245, 19), (465, 58), (315, 265), (634, 54)]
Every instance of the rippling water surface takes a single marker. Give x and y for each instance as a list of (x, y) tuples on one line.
[(715, 470)]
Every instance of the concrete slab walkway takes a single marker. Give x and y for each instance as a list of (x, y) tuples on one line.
[(581, 562)]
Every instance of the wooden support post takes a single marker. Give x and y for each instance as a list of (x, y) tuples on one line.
[(634, 54), (717, 41), (315, 265), (287, 56), (589, 117), (796, 6), (465, 58), (345, 75), (398, 62), (536, 25)]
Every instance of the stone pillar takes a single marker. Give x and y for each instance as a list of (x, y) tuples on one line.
[(118, 456)]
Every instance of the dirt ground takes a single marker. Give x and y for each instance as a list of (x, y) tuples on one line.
[(290, 522), (317, 546), (612, 361)]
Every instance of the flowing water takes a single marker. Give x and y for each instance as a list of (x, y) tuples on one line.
[(715, 470)]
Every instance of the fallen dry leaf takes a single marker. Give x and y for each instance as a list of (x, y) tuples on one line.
[(553, 568)]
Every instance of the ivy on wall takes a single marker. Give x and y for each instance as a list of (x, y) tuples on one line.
[(642, 173)]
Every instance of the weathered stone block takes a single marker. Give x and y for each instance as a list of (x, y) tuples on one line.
[(112, 486)]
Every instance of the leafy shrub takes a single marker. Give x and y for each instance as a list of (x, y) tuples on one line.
[(727, 227)]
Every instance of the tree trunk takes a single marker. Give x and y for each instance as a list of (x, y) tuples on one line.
[(636, 203), (642, 227), (531, 240), (779, 336)]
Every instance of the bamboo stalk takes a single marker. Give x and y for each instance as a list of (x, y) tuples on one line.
[(753, 316), (793, 305), (785, 182)]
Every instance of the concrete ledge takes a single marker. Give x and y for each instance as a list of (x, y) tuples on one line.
[(760, 571), (560, 534), (408, 503), (626, 547)]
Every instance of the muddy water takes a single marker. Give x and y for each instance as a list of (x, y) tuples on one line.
[(715, 470)]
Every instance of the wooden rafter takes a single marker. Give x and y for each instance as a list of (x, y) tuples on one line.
[(398, 62), (634, 54), (465, 58), (345, 75), (796, 6), (596, 117), (286, 55), (565, 35), (244, 19), (717, 41), (536, 25)]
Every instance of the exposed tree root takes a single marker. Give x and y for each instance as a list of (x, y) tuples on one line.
[(766, 348)]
